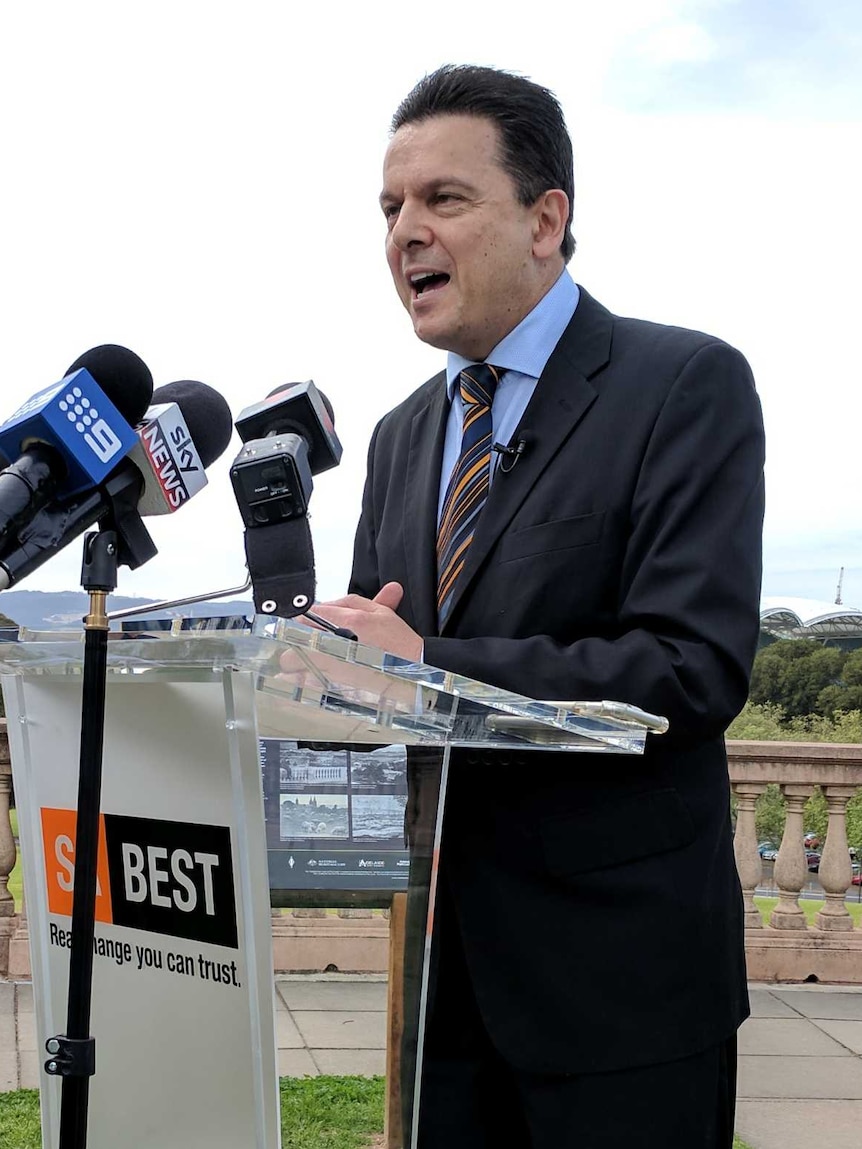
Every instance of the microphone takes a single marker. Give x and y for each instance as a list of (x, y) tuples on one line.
[(511, 454), (298, 408), (198, 432), (122, 375), (68, 437), (288, 437), (187, 427)]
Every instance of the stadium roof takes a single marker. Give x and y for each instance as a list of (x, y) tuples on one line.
[(809, 618)]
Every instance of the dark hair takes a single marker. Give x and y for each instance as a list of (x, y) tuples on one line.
[(536, 149)]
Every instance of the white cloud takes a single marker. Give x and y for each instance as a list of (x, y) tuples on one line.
[(675, 43)]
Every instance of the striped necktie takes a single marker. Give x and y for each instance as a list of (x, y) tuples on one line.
[(469, 483)]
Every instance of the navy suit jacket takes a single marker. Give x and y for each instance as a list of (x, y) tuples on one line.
[(596, 894)]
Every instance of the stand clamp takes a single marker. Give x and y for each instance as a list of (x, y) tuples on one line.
[(71, 1057)]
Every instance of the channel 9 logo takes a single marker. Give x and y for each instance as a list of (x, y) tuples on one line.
[(98, 436)]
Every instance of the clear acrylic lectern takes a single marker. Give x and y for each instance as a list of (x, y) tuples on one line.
[(182, 984)]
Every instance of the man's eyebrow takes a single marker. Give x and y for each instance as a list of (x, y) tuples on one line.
[(430, 187)]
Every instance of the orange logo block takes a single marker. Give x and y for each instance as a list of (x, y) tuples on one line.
[(58, 843)]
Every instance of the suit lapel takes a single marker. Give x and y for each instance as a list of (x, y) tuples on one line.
[(425, 459), (562, 397)]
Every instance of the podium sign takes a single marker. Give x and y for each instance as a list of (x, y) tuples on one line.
[(182, 1013)]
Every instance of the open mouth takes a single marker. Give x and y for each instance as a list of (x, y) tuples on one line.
[(423, 284)]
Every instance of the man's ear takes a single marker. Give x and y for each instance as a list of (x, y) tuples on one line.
[(550, 219)]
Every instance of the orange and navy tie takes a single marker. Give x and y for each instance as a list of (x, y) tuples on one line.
[(469, 483)]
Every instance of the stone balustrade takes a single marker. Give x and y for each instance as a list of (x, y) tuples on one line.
[(785, 949)]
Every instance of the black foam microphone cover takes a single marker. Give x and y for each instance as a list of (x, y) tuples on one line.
[(206, 413), (324, 399), (123, 376), (280, 561)]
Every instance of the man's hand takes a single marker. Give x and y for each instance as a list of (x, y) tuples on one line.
[(374, 621)]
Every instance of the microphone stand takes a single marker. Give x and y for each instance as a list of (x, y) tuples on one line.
[(228, 592), (122, 538)]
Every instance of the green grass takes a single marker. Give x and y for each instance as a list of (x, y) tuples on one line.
[(19, 1120), (316, 1113), (809, 908), (330, 1112)]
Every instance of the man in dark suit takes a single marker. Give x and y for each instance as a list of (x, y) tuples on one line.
[(590, 976)]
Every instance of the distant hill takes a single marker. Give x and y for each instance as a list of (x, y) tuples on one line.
[(64, 610)]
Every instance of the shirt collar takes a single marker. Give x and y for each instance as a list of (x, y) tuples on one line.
[(527, 347)]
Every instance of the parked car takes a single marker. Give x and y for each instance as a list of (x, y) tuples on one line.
[(813, 860), (768, 851), (811, 841), (857, 879)]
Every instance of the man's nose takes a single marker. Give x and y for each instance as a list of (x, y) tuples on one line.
[(411, 228)]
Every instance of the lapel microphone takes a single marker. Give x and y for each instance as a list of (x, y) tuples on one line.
[(509, 455)]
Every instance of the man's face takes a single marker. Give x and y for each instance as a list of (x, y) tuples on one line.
[(459, 245)]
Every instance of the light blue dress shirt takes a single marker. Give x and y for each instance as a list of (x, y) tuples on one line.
[(523, 353)]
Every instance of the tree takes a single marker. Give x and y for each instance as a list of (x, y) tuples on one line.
[(759, 723), (838, 698), (852, 671), (793, 673)]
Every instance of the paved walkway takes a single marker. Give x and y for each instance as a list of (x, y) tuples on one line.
[(800, 1069), (325, 1024)]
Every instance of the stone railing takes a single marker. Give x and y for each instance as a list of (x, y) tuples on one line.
[(787, 949)]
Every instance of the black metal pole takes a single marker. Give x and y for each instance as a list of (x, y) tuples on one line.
[(73, 1054)]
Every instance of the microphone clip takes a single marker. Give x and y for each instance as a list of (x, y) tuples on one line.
[(509, 455)]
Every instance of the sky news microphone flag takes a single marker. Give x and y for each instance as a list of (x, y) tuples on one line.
[(187, 427)]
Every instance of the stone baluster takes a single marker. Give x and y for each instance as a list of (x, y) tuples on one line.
[(791, 868), (19, 946), (8, 853), (836, 871), (748, 861)]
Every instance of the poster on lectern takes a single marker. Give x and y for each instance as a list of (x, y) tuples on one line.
[(182, 1011), (335, 815)]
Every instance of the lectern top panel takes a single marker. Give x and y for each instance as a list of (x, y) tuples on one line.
[(336, 690)]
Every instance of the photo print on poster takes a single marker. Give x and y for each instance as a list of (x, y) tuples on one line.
[(314, 816)]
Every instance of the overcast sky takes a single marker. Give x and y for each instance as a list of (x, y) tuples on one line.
[(198, 181)]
